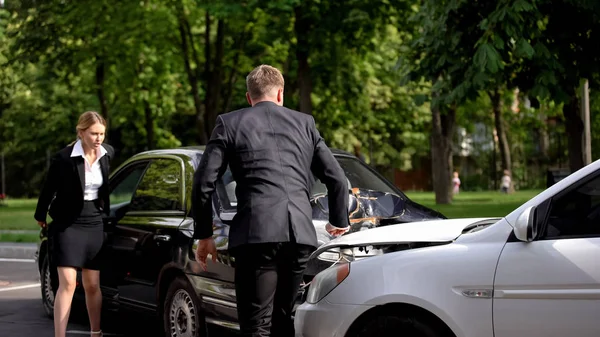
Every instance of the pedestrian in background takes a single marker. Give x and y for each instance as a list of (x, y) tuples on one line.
[(272, 152), (75, 194), (505, 182), (455, 183)]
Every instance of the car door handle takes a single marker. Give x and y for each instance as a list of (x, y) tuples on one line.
[(162, 237)]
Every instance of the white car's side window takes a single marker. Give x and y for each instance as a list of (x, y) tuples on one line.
[(575, 214)]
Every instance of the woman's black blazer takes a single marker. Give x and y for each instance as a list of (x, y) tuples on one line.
[(62, 192)]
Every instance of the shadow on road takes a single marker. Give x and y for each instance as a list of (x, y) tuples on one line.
[(24, 317)]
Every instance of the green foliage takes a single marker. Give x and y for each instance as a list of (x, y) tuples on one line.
[(380, 114), (376, 69), (126, 62), (488, 58)]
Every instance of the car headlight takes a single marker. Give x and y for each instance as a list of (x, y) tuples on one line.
[(326, 281), (330, 256)]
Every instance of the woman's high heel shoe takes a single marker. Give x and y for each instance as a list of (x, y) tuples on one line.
[(96, 333)]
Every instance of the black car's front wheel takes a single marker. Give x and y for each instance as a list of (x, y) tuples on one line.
[(48, 291), (182, 315)]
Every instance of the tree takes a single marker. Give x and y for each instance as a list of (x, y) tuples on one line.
[(534, 45), (441, 55), (360, 103), (498, 107), (464, 47), (338, 25), (563, 54)]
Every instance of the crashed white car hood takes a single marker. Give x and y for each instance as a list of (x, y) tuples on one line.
[(420, 231)]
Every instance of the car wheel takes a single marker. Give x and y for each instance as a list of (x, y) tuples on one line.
[(399, 325), (182, 315), (48, 291)]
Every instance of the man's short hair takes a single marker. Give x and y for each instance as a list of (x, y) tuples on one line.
[(263, 79)]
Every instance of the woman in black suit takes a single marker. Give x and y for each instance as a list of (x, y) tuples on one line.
[(75, 194)]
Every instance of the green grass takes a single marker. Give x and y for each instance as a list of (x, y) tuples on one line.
[(475, 204), (18, 214), (19, 237)]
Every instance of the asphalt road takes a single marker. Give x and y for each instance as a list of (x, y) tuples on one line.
[(22, 313)]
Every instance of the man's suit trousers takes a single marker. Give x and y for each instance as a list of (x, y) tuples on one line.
[(267, 280)]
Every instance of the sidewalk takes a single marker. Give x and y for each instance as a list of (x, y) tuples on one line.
[(10, 250)]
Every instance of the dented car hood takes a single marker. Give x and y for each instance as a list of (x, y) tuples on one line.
[(446, 230), (370, 209)]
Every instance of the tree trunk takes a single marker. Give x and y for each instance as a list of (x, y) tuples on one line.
[(213, 76), (544, 137), (301, 27), (574, 129), (228, 91), (100, 77), (185, 33), (290, 88), (149, 125), (148, 118), (441, 153), (100, 90), (493, 165), (544, 143), (498, 105)]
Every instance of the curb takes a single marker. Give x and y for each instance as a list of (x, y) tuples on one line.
[(18, 250), (19, 231)]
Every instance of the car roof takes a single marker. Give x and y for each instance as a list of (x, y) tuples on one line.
[(192, 151)]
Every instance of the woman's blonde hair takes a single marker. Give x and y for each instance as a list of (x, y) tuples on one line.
[(88, 119)]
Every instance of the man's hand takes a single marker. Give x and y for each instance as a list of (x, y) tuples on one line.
[(206, 247), (42, 224), (335, 231)]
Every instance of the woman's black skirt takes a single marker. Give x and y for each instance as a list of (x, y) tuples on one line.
[(78, 244)]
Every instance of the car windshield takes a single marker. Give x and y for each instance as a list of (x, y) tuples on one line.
[(359, 175)]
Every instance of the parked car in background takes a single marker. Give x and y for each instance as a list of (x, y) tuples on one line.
[(149, 251), (534, 273)]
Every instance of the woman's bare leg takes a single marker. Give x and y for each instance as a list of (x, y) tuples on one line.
[(93, 296), (67, 278)]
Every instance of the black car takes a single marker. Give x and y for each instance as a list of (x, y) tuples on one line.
[(149, 251)]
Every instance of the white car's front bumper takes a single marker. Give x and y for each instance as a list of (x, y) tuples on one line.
[(325, 319)]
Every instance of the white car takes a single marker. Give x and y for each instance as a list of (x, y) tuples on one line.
[(533, 273)]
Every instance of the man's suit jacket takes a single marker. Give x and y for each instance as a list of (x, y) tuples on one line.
[(63, 188), (271, 152)]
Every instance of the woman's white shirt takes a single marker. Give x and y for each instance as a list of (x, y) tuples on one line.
[(93, 173)]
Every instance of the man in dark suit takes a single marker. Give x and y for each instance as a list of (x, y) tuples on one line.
[(271, 151)]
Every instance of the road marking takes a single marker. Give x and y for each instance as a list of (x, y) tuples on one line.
[(20, 287), (16, 260), (79, 332)]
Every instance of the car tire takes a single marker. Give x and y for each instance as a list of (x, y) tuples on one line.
[(48, 291), (396, 325), (182, 313)]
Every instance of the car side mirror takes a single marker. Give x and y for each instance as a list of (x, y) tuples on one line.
[(526, 227)]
